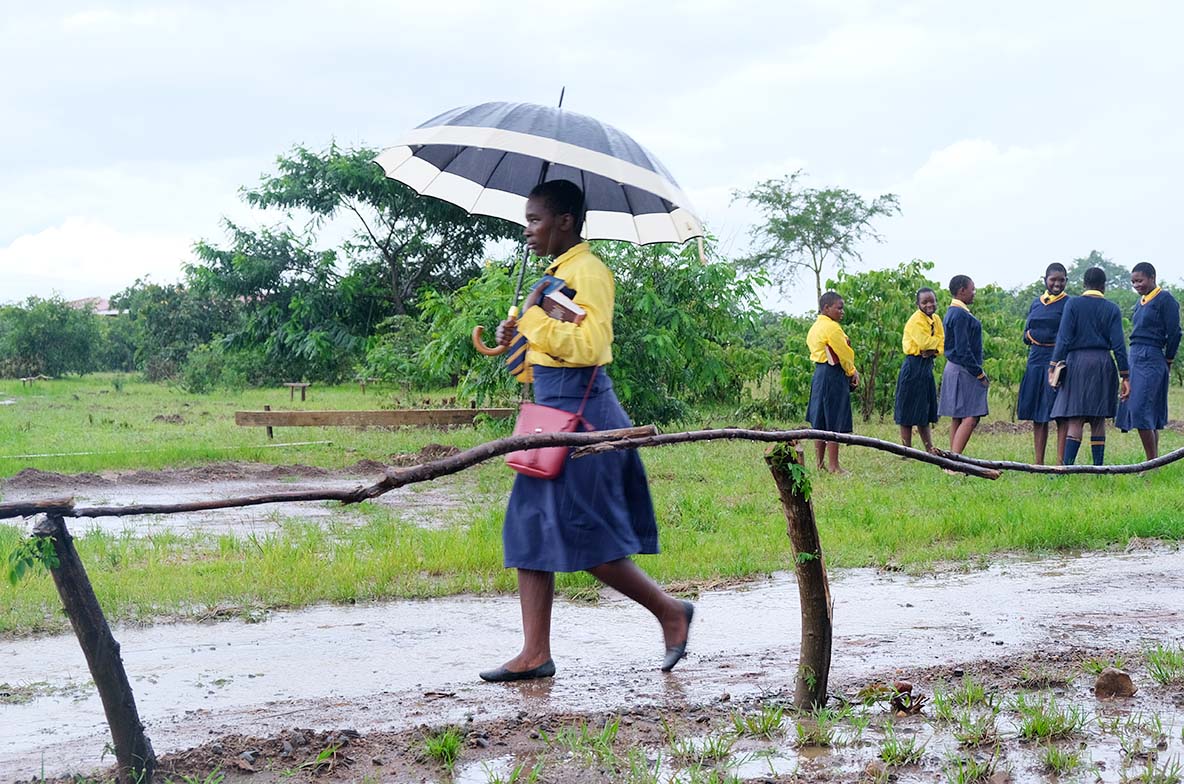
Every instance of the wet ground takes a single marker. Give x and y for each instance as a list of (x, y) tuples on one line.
[(421, 504), (388, 670)]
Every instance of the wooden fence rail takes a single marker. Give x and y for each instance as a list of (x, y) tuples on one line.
[(133, 751)]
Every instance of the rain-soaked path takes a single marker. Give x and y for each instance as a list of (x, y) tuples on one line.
[(396, 665)]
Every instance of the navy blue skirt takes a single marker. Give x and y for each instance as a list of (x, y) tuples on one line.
[(962, 394), (916, 392), (1147, 407), (1089, 385), (830, 399), (599, 509), (1036, 396)]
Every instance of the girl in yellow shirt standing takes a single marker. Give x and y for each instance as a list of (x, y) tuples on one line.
[(834, 378), (916, 391)]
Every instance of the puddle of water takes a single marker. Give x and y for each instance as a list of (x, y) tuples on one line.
[(396, 665), (496, 769), (427, 507)]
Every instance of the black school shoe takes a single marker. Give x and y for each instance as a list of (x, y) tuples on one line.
[(502, 675), (675, 653)]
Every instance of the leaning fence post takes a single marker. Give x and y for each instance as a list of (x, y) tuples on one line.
[(133, 751), (788, 466)]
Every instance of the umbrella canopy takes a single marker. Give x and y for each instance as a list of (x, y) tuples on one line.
[(487, 158)]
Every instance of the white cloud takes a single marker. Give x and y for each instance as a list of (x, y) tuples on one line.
[(83, 257)]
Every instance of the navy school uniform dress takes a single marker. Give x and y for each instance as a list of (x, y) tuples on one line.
[(1089, 335), (962, 391), (1155, 337), (916, 391), (1036, 396), (599, 509), (830, 388)]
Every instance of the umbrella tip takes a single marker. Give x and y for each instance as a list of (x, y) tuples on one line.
[(562, 90)]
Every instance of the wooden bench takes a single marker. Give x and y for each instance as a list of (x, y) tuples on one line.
[(293, 386)]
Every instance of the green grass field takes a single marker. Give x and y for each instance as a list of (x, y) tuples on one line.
[(718, 512)]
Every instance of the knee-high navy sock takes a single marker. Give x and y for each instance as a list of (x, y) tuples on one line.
[(1071, 446), (1097, 445)]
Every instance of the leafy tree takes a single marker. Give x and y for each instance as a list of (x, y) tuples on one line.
[(401, 238), (289, 298), (394, 353), (47, 336), (169, 322), (679, 329), (117, 344), (809, 228), (877, 305)]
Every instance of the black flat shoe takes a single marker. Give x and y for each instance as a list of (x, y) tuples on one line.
[(501, 674), (675, 653)]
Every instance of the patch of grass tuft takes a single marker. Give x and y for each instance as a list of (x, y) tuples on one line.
[(896, 751), (444, 746), (1165, 665), (1041, 718)]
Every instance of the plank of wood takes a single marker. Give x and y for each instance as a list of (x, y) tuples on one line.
[(398, 418)]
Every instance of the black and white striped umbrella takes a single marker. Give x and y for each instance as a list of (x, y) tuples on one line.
[(486, 158)]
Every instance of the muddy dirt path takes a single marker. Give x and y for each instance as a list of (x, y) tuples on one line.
[(427, 505), (394, 666)]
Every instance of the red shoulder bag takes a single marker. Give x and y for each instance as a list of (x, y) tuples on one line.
[(546, 462)]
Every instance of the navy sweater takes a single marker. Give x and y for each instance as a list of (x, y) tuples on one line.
[(964, 339), (1043, 322), (1091, 323), (1158, 324)]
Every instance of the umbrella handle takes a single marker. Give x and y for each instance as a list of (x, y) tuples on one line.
[(479, 341)]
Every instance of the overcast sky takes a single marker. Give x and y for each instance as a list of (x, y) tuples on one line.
[(1015, 133)]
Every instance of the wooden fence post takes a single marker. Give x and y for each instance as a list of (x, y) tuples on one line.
[(788, 467), (133, 751)]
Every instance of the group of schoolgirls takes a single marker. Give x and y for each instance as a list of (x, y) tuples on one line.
[(1078, 369)]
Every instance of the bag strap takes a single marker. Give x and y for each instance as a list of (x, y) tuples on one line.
[(588, 392)]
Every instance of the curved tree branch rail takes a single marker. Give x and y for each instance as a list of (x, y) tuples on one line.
[(134, 754)]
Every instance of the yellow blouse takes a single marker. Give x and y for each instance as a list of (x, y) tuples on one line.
[(555, 343), (826, 333), (923, 333)]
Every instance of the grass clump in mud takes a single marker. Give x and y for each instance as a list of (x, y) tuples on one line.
[(1094, 665), (896, 751), (585, 743), (1042, 718), (1170, 771), (443, 746), (1165, 665), (762, 724), (972, 731), (970, 769), (819, 727), (949, 702), (1059, 761)]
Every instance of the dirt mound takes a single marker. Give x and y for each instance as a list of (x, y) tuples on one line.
[(34, 479), (172, 419), (365, 467), (297, 471), (427, 454)]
